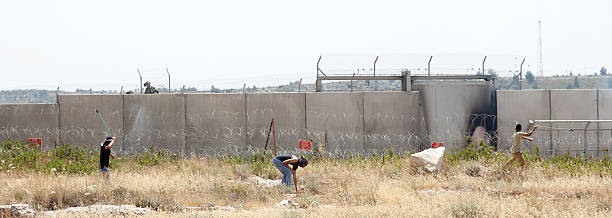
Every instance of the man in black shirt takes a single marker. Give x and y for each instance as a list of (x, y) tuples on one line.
[(282, 163), (105, 155)]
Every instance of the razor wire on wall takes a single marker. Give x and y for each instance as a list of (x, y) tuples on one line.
[(225, 141), (218, 128), (220, 140)]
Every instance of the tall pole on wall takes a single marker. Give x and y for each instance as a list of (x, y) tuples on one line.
[(375, 60), (140, 84), (483, 62), (300, 86), (319, 83), (352, 82), (429, 66), (168, 79), (521, 74)]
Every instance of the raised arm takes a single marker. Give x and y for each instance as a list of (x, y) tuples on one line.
[(110, 145), (531, 132)]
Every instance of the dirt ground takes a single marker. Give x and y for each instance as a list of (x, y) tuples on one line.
[(355, 187)]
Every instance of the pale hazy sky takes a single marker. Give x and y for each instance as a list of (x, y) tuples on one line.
[(99, 44)]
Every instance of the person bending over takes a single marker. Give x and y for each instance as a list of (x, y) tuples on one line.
[(287, 165)]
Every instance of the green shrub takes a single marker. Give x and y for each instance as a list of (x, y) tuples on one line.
[(471, 152), (466, 209), (154, 157), (472, 168), (18, 155), (151, 202)]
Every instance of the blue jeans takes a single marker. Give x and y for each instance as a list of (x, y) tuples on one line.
[(285, 170)]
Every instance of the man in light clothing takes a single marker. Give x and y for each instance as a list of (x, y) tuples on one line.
[(516, 144)]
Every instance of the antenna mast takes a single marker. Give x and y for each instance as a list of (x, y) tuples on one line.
[(540, 64)]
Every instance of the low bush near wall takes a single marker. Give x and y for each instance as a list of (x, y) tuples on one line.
[(565, 161), (18, 155)]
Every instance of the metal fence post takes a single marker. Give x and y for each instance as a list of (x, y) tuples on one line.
[(168, 79), (139, 75), (483, 62), (429, 66)]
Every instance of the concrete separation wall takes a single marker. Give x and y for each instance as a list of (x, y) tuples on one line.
[(341, 114), (288, 111), (568, 104), (562, 104), (605, 113), (215, 124), (393, 120), (154, 121), (359, 123), (453, 107), (22, 121), (80, 125), (520, 107)]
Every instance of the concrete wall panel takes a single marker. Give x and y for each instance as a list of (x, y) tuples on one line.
[(215, 124), (287, 110), (605, 113), (515, 106), (451, 107), (392, 120), (341, 114), (23, 121), (573, 104), (154, 121), (80, 125)]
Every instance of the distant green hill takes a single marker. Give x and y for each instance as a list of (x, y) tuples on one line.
[(560, 82), (39, 95)]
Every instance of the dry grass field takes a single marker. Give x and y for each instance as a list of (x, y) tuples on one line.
[(470, 185)]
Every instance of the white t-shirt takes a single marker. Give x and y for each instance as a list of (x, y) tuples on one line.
[(516, 142)]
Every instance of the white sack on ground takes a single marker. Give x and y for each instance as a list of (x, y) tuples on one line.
[(428, 160)]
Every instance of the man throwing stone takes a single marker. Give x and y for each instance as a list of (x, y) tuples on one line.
[(105, 155), (516, 145)]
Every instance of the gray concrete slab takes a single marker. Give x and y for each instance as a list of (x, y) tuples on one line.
[(452, 107), (154, 121), (23, 121), (392, 121), (514, 106), (215, 124), (341, 114), (288, 112), (80, 125), (573, 104), (605, 113)]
